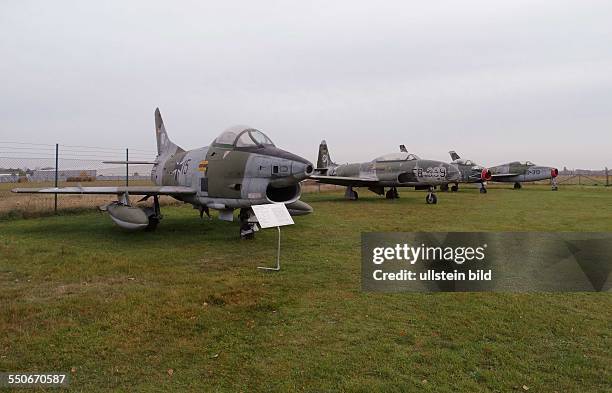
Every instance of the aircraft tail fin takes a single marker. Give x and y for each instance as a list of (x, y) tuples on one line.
[(454, 155), (164, 144), (403, 149), (324, 160)]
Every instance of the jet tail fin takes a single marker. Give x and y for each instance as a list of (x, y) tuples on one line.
[(324, 160), (454, 155), (403, 149), (164, 144)]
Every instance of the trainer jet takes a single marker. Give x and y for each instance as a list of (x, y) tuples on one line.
[(470, 173), (388, 171), (241, 168), (517, 172)]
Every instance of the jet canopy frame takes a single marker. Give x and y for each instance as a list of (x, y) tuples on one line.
[(238, 137), (403, 156)]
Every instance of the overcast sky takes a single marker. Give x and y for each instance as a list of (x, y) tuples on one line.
[(494, 80)]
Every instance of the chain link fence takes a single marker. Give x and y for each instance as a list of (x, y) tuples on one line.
[(32, 165)]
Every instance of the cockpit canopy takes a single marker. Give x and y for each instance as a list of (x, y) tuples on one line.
[(397, 157), (523, 163), (242, 136)]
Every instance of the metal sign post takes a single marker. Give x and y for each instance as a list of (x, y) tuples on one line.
[(269, 216)]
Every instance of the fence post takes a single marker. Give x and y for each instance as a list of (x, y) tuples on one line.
[(127, 167), (56, 173)]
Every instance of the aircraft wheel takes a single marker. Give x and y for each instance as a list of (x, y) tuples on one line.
[(431, 199), (154, 219), (153, 222), (389, 194), (455, 188), (355, 195), (247, 231), (517, 186), (395, 193)]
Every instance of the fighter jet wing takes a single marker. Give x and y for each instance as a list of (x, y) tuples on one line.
[(503, 175), (132, 190), (346, 181)]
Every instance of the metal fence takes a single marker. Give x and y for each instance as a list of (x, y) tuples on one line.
[(40, 165)]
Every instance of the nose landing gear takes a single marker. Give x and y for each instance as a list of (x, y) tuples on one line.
[(431, 197), (247, 228), (553, 184)]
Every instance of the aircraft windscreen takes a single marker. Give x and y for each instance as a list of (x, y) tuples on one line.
[(245, 140), (260, 138), (226, 138)]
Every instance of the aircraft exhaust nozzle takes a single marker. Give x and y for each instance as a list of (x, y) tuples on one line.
[(485, 174), (554, 172)]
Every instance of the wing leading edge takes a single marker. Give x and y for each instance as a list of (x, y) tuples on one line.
[(346, 181), (132, 190)]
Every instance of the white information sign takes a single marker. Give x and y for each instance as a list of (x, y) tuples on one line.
[(272, 215)]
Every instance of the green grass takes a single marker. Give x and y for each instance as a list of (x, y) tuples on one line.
[(124, 308)]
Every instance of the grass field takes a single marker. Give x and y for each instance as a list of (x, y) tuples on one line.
[(185, 309)]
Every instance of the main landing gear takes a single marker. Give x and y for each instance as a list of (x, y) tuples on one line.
[(431, 197), (553, 184), (351, 194), (455, 187), (517, 186), (247, 228), (154, 214), (392, 193)]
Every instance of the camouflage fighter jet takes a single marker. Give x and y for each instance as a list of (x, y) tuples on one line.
[(526, 171), (470, 173), (241, 168), (389, 171)]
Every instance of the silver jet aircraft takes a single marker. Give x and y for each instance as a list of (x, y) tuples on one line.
[(470, 173), (517, 172), (241, 168), (389, 171)]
